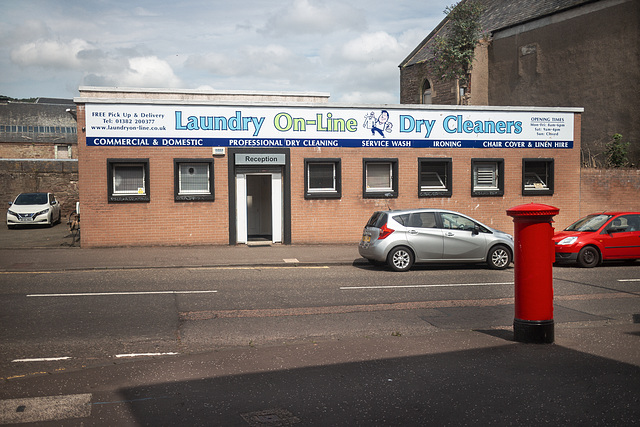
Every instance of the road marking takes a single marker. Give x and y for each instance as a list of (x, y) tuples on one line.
[(42, 359), (125, 269), (345, 288), (628, 280), (93, 294), (47, 408), (146, 354), (265, 267)]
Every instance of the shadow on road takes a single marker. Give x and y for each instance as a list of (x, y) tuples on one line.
[(513, 384)]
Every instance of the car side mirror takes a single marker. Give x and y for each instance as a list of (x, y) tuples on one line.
[(476, 230), (614, 229), (10, 203)]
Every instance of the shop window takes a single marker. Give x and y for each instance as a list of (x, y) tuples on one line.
[(193, 180), (434, 177), (322, 179), (128, 180), (537, 177), (487, 178), (380, 178)]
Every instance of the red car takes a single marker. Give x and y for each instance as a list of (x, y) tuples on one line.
[(600, 237)]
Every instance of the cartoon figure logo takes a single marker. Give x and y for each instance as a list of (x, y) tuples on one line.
[(380, 124)]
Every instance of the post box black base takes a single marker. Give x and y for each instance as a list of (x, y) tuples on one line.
[(533, 331)]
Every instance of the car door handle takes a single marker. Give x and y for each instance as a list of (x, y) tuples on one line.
[(449, 234), (413, 232)]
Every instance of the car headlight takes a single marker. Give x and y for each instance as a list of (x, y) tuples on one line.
[(41, 212), (10, 212), (568, 240)]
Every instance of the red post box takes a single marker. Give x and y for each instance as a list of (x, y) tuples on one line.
[(533, 260)]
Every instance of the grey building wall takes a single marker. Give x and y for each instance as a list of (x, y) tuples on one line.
[(34, 130), (589, 58), (586, 55)]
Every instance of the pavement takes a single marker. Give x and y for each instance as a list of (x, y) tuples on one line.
[(72, 258), (590, 375)]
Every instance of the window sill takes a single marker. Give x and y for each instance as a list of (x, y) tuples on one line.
[(323, 195), (194, 198), (380, 195), (487, 193), (129, 198)]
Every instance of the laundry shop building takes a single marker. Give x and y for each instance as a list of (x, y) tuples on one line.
[(179, 167)]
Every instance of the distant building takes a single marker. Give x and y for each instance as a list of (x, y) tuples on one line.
[(45, 129), (555, 53)]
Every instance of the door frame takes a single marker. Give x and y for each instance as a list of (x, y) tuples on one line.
[(285, 170), (275, 202)]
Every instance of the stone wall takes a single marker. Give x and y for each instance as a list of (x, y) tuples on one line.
[(55, 176)]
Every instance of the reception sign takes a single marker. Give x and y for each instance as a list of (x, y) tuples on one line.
[(144, 125)]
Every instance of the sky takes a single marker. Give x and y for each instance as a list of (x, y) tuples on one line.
[(348, 49)]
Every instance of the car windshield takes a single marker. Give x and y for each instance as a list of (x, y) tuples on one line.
[(32, 199), (589, 223)]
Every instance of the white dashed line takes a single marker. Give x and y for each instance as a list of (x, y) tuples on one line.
[(146, 354), (42, 359), (93, 294), (343, 288)]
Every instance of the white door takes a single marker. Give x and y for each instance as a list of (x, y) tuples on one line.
[(249, 206)]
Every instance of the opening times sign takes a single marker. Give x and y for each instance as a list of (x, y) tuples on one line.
[(137, 125)]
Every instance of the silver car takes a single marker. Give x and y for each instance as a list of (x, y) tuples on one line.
[(402, 238)]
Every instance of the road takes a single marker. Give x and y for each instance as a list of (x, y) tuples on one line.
[(66, 320)]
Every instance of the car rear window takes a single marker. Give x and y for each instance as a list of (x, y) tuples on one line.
[(377, 220)]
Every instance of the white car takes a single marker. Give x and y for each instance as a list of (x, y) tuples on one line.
[(33, 209)]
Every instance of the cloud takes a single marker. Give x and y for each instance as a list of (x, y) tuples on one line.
[(272, 60), (49, 53), (371, 47), (146, 71), (302, 17), (28, 30)]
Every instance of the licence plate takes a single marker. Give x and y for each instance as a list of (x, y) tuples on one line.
[(26, 219)]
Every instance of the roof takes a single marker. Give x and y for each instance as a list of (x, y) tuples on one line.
[(498, 15), (55, 101)]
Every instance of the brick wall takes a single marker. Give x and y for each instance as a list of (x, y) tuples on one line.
[(411, 83), (342, 220), (37, 150), (55, 176), (608, 190)]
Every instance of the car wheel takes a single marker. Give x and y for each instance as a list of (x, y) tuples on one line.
[(588, 257), (400, 259), (499, 258)]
